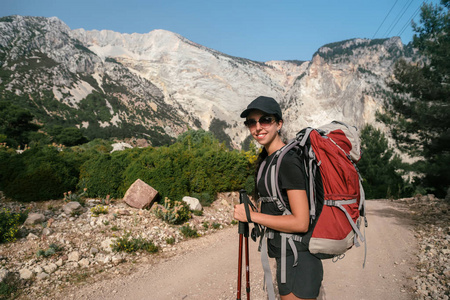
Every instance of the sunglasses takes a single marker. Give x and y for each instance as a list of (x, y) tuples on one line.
[(264, 121)]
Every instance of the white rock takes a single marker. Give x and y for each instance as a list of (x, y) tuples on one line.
[(194, 203), (50, 268), (74, 256), (32, 236), (42, 275), (34, 218), (59, 262), (84, 263), (3, 274), (106, 244), (38, 269), (25, 274)]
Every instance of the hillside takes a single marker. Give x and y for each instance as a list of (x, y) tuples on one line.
[(159, 84)]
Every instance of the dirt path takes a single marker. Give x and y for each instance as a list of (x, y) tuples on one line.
[(208, 270)]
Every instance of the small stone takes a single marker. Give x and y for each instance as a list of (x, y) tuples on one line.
[(59, 262), (106, 245), (42, 275), (34, 218), (3, 274), (123, 212), (74, 256), (50, 268), (194, 203), (46, 231), (25, 274), (72, 207), (84, 262), (38, 269), (32, 236), (93, 251)]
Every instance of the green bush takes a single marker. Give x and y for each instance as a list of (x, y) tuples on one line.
[(130, 244), (98, 210), (189, 232), (11, 286), (52, 249), (102, 174), (9, 225), (173, 212), (197, 164), (41, 173)]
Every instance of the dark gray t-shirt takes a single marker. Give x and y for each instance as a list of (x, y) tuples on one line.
[(291, 177)]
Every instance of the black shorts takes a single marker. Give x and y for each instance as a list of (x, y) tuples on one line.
[(305, 279)]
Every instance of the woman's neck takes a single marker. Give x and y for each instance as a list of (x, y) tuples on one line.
[(276, 144)]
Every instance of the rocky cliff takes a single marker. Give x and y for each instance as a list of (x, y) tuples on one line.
[(156, 85)]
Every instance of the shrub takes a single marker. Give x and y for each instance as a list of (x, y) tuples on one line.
[(102, 173), (69, 196), (9, 225), (196, 165), (41, 173), (11, 286), (173, 212), (189, 232), (216, 225), (52, 249), (170, 240), (130, 244), (98, 210)]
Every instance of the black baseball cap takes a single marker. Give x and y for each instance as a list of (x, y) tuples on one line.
[(264, 104)]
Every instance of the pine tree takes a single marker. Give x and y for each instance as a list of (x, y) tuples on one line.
[(379, 167), (419, 113)]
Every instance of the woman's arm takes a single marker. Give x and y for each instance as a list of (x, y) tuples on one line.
[(297, 222)]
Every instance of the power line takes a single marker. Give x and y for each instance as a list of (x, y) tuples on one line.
[(384, 19), (397, 19), (408, 22)]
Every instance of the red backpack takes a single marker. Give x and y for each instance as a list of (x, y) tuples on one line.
[(334, 188)]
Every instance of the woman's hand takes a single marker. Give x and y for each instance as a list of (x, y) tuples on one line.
[(239, 213)]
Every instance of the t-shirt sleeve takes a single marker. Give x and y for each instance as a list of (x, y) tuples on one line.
[(292, 174)]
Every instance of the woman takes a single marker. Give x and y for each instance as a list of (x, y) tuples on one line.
[(264, 121)]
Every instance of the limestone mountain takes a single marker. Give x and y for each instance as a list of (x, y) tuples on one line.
[(159, 84)]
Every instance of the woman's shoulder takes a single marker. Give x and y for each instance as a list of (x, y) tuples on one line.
[(291, 156)]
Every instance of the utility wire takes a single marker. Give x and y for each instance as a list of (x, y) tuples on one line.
[(408, 22), (384, 19), (397, 19)]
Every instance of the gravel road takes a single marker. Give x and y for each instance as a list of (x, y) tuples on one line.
[(206, 268)]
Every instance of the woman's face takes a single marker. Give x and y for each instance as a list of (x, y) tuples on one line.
[(265, 133)]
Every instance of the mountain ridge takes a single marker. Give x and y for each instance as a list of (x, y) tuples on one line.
[(158, 84)]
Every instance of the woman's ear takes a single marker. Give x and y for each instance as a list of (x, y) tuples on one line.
[(279, 125)]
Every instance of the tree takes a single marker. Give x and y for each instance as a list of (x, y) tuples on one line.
[(15, 124), (418, 114), (379, 166)]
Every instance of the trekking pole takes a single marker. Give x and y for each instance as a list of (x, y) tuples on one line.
[(243, 231)]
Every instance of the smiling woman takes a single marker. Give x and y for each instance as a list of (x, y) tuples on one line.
[(302, 276)]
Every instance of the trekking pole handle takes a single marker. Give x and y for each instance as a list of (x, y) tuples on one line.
[(243, 226)]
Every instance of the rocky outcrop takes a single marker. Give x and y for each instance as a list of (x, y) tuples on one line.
[(162, 83)]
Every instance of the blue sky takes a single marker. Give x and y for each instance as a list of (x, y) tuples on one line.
[(260, 30)]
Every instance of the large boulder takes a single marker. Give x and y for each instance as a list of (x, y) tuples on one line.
[(140, 195)]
